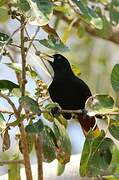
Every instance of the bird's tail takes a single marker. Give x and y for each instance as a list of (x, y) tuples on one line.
[(88, 122)]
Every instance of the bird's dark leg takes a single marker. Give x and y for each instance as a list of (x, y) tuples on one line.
[(67, 115)]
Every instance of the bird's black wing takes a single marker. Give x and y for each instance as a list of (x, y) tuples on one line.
[(70, 93)]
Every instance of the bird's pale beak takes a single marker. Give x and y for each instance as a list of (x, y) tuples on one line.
[(46, 57)]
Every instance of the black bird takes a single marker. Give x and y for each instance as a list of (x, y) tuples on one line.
[(69, 91)]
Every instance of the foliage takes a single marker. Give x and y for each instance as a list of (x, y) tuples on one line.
[(98, 18)]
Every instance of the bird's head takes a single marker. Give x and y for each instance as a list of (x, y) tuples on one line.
[(59, 63)]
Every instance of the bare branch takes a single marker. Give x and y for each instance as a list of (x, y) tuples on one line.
[(31, 41)]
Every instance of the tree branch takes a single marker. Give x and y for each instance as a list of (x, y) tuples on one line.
[(113, 36), (24, 143)]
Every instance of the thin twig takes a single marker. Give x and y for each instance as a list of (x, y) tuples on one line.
[(10, 102), (18, 75), (3, 47), (6, 162), (31, 40), (4, 111), (15, 45), (39, 53)]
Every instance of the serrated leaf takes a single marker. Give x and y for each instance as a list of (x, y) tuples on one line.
[(14, 170), (49, 144), (30, 104), (114, 12), (4, 38), (6, 140), (24, 5), (41, 12), (3, 15), (63, 142), (115, 78), (89, 14), (2, 123), (96, 156), (53, 43), (8, 85), (60, 169), (35, 128), (100, 103)]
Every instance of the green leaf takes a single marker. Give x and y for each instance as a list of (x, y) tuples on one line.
[(30, 104), (24, 5), (4, 38), (106, 30), (48, 114), (4, 16), (45, 6), (14, 170), (100, 103), (114, 12), (41, 11), (2, 123), (86, 154), (89, 14), (53, 43), (101, 158), (35, 128), (49, 144), (115, 78), (63, 142), (60, 169), (96, 156), (7, 85), (114, 129)]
